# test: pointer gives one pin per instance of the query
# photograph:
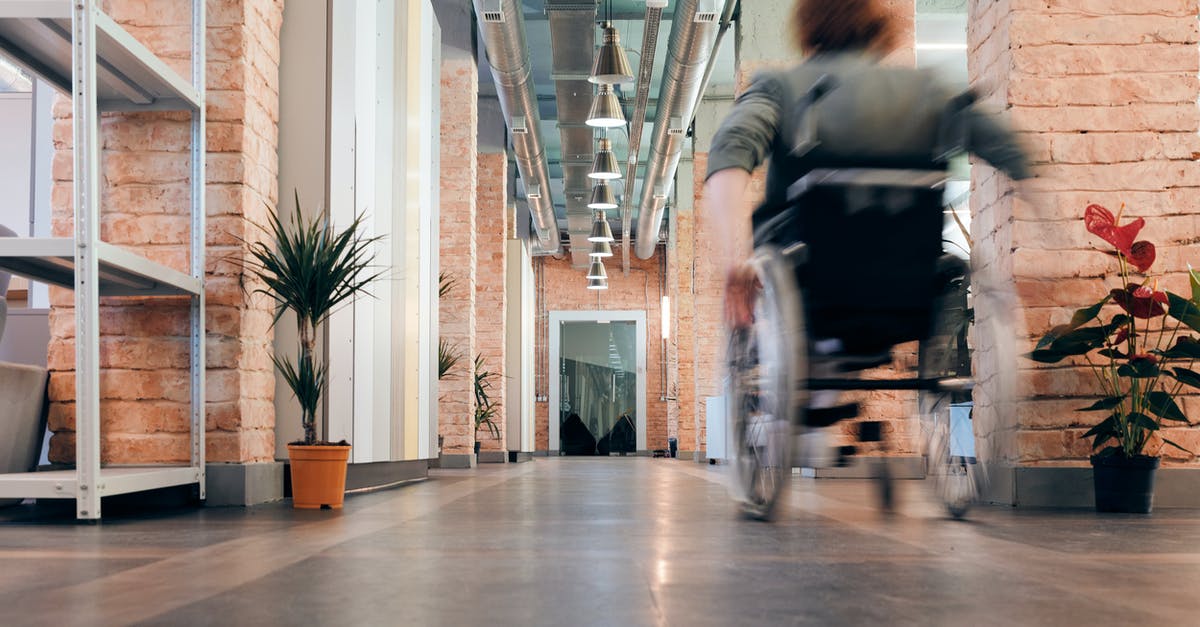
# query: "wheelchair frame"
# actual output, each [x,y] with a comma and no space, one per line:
[958,479]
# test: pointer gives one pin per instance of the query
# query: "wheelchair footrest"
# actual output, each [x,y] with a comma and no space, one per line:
[825,416]
[870,431]
[844,455]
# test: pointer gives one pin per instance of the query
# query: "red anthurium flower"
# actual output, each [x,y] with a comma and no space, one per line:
[1121,336]
[1147,357]
[1101,223]
[1141,255]
[1140,302]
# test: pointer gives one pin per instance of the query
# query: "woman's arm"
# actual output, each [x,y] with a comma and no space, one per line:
[739,146]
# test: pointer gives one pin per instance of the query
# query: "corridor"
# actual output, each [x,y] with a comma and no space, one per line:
[629,541]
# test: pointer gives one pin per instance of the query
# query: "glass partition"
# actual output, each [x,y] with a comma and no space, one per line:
[598,383]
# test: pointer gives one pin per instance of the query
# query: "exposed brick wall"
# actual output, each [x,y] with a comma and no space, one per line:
[566,290]
[459,180]
[1106,94]
[685,321]
[144,195]
[491,298]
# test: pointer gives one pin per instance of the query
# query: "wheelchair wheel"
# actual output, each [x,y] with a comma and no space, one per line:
[952,469]
[767,366]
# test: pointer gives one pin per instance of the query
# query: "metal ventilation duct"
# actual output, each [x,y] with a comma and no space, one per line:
[502,27]
[572,45]
[693,33]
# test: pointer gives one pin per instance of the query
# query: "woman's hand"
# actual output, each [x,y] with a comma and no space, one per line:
[741,286]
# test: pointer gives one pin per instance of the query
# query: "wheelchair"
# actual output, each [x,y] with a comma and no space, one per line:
[850,268]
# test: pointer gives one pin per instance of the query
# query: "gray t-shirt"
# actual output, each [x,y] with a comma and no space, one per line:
[870,115]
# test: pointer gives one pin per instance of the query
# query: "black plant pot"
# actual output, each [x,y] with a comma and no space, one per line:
[477,448]
[1123,484]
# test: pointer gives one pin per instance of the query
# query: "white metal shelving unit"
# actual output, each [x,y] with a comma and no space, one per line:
[75,46]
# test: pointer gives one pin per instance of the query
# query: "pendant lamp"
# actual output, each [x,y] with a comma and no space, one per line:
[611,67]
[596,271]
[601,249]
[606,109]
[601,232]
[597,284]
[602,197]
[604,165]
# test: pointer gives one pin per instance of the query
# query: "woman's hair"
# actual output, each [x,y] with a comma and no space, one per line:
[838,25]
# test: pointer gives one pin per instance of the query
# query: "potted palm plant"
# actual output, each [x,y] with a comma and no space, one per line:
[309,268]
[1141,359]
[485,408]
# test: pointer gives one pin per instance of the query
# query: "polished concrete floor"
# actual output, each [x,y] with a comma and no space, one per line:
[615,541]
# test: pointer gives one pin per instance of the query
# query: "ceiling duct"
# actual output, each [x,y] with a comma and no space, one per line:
[572,43]
[693,34]
[502,27]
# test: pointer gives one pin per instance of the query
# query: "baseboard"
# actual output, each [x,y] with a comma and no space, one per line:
[243,484]
[1071,487]
[362,477]
[493,457]
[466,460]
[901,467]
[517,457]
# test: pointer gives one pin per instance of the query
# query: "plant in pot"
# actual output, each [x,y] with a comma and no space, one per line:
[485,408]
[1142,355]
[309,267]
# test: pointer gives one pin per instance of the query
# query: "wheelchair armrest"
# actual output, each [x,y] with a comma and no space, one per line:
[868,177]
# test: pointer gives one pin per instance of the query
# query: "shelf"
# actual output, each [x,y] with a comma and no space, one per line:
[122,273]
[37,35]
[64,484]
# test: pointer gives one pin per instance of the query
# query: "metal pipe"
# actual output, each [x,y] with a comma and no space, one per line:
[645,72]
[688,56]
[502,27]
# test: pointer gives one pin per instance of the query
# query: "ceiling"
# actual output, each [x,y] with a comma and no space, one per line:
[941,43]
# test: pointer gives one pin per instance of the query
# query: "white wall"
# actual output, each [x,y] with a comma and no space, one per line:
[519,348]
[302,166]
[16,134]
[382,166]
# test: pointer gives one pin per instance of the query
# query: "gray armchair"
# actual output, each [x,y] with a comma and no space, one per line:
[22,402]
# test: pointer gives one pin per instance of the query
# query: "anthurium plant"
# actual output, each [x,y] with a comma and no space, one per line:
[1142,355]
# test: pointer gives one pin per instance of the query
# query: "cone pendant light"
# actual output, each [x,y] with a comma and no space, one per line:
[602,197]
[611,67]
[597,284]
[606,109]
[601,249]
[604,165]
[601,231]
[596,271]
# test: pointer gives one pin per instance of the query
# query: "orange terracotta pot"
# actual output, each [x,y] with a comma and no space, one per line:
[318,475]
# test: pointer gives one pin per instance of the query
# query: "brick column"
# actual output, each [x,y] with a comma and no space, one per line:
[1106,95]
[459,180]
[143,349]
[491,298]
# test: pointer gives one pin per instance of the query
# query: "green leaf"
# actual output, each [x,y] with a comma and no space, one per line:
[1113,353]
[1177,446]
[1046,356]
[1189,377]
[1078,319]
[1108,428]
[1142,420]
[1162,405]
[1087,314]
[1104,403]
[1195,281]
[1110,451]
[1080,341]
[1140,369]
[1184,348]
[1184,311]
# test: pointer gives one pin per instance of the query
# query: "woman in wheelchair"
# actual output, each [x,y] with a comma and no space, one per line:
[847,255]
